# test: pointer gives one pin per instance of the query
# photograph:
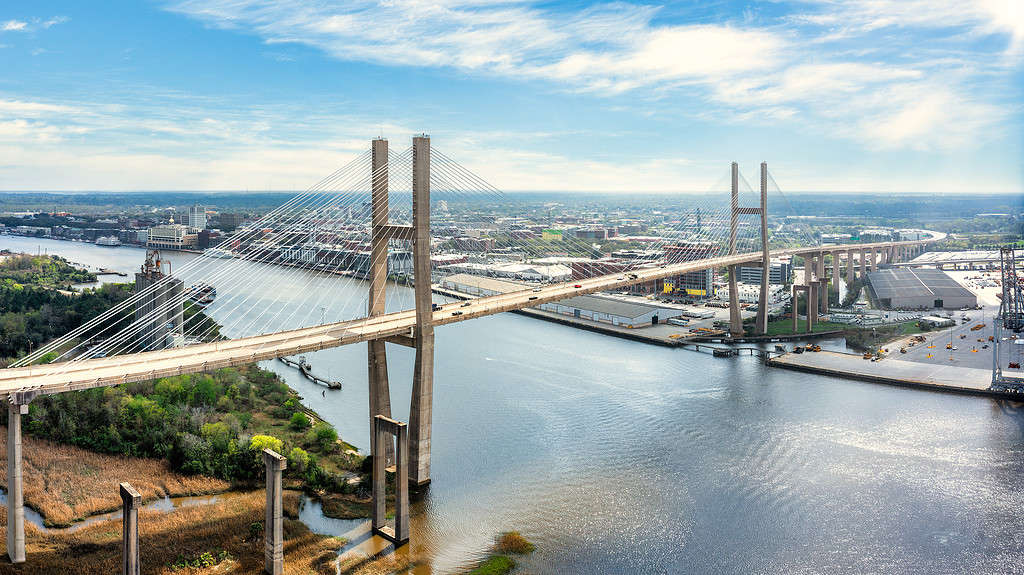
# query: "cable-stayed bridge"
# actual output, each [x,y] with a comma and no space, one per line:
[387,218]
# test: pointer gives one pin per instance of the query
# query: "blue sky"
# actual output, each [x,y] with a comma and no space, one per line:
[846,95]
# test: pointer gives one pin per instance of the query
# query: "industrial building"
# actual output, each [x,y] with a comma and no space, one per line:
[615,312]
[907,288]
[159,309]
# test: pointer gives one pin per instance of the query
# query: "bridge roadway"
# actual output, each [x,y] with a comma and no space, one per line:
[107,371]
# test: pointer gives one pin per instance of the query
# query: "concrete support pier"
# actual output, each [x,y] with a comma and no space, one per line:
[420,415]
[863,264]
[377,361]
[849,266]
[273,527]
[15,489]
[130,501]
[385,431]
[812,306]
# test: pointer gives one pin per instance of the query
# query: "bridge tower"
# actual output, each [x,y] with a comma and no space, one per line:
[761,320]
[735,321]
[422,338]
[380,396]
[420,410]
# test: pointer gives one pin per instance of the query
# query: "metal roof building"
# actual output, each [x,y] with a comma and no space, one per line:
[922,288]
[615,312]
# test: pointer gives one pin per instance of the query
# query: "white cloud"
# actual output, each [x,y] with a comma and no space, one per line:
[13,26]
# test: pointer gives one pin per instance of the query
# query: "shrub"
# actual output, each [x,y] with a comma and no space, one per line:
[299,421]
[298,460]
[326,436]
[260,442]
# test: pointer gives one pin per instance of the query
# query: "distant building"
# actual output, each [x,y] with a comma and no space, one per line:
[197,217]
[779,274]
[829,239]
[171,236]
[229,222]
[613,311]
[919,288]
[551,235]
[591,234]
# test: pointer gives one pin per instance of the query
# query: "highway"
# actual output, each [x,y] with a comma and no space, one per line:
[99,372]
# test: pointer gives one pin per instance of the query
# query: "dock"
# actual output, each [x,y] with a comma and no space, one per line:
[306,370]
[892,371]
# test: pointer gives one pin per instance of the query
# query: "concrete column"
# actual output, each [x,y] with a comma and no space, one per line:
[378,513]
[377,361]
[812,306]
[420,415]
[872,260]
[819,269]
[849,266]
[735,320]
[15,492]
[761,320]
[835,272]
[863,263]
[273,527]
[823,295]
[793,304]
[809,267]
[130,501]
[384,429]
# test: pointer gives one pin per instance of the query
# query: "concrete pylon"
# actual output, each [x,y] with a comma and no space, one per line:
[273,527]
[849,266]
[130,501]
[384,429]
[15,490]
[793,306]
[761,320]
[377,361]
[823,295]
[835,273]
[735,320]
[420,415]
[863,263]
[812,306]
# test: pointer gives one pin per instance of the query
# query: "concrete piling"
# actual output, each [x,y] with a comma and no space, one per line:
[273,527]
[15,491]
[130,501]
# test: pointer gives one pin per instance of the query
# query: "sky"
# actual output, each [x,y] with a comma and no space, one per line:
[900,96]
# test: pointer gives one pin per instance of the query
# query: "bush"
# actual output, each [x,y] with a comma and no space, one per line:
[260,442]
[325,436]
[299,421]
[298,460]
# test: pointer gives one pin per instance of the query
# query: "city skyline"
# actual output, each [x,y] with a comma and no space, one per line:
[858,96]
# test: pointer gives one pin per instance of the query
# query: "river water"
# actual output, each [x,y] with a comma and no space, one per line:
[616,456]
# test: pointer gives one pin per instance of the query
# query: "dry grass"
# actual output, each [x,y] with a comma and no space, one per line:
[66,483]
[512,542]
[166,538]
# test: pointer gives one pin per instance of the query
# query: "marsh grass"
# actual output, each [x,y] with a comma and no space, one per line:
[222,529]
[66,483]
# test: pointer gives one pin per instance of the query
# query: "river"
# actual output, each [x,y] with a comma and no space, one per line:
[615,456]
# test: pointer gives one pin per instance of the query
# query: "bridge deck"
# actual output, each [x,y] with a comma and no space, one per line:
[98,372]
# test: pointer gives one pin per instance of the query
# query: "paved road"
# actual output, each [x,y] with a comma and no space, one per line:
[61,377]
